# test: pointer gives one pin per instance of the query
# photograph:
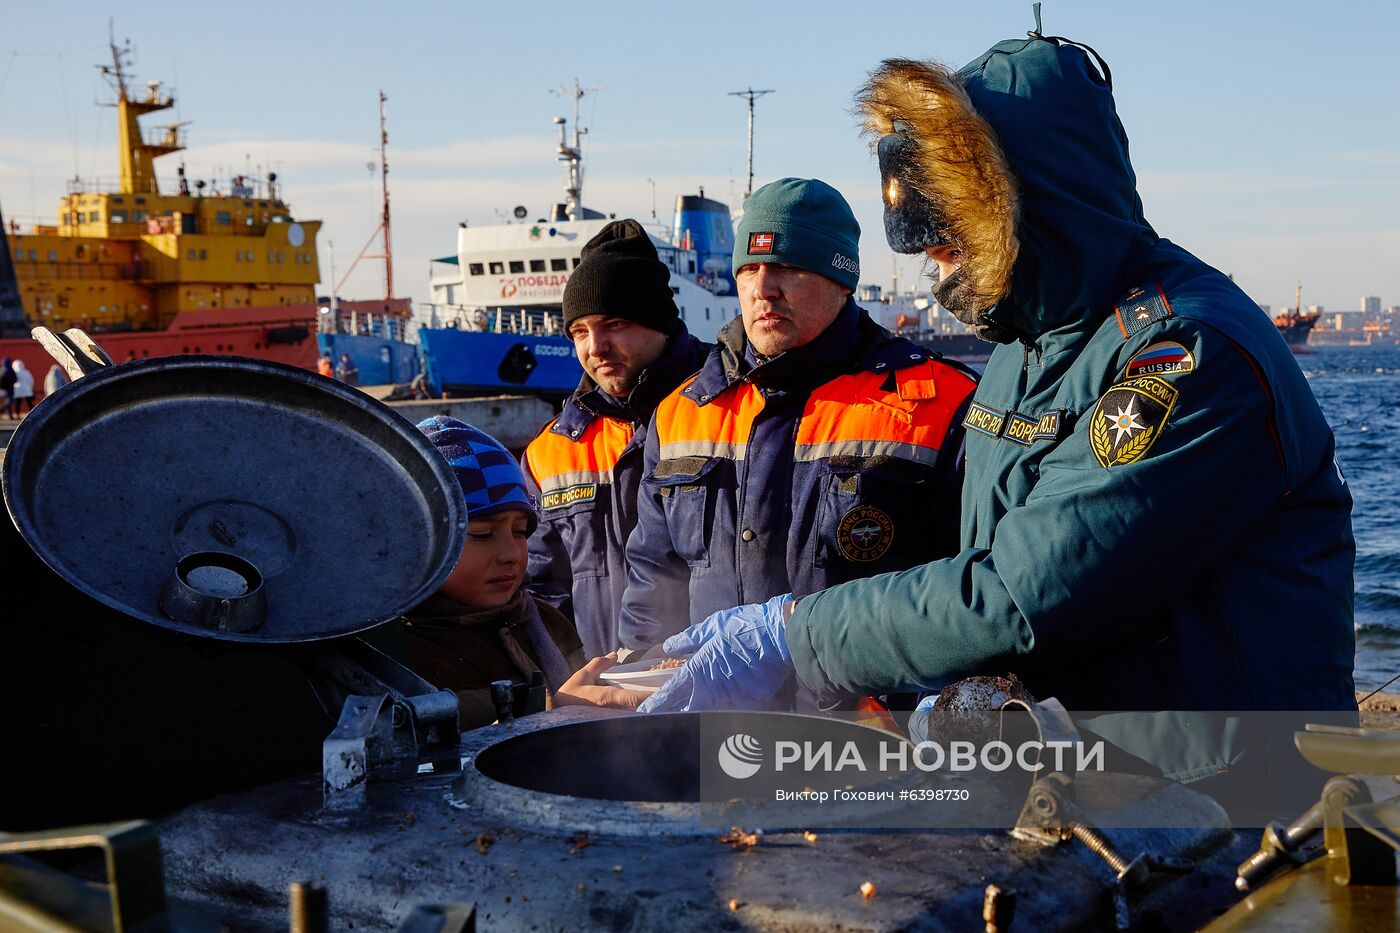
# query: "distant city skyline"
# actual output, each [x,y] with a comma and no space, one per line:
[1251,150]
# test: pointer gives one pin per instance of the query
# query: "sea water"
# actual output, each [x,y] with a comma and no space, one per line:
[1359,391]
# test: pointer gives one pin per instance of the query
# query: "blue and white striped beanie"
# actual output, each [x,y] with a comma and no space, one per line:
[491,479]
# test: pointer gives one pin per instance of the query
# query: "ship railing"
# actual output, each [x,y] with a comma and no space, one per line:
[42,268]
[532,321]
[214,187]
[952,330]
[384,326]
[164,137]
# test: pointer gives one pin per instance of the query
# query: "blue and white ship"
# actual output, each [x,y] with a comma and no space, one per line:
[494,323]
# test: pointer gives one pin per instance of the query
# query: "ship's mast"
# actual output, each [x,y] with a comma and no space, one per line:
[384,188]
[573,154]
[750,95]
[137,152]
[383,228]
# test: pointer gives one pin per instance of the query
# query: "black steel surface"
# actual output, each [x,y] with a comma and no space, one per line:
[346,511]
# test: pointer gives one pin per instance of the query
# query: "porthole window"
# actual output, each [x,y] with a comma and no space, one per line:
[536,265]
[517,265]
[498,268]
[559,265]
[476,268]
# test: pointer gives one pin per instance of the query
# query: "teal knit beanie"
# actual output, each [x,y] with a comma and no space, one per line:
[800,222]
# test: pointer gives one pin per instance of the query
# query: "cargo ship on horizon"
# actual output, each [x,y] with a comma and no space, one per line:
[1295,324]
[218,266]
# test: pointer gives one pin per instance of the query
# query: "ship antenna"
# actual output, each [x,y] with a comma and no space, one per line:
[573,188]
[116,73]
[750,95]
[383,226]
[384,187]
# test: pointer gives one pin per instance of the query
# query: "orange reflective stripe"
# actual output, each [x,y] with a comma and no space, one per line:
[856,416]
[719,429]
[556,461]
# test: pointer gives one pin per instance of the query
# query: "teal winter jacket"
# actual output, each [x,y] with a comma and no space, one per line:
[1152,515]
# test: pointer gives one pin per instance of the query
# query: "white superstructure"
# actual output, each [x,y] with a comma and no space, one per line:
[511,276]
[503,269]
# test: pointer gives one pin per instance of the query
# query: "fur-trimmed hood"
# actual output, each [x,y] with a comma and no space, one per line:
[1023,152]
[958,166]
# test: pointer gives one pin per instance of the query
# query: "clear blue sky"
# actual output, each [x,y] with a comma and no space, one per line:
[1264,134]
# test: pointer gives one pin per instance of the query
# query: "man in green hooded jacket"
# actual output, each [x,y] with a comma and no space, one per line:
[1153,518]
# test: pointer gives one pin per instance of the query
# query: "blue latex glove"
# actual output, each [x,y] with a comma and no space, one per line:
[738,660]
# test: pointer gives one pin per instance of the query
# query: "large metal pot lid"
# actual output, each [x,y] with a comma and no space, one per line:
[234,499]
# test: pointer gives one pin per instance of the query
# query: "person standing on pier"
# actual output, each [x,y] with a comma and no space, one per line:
[55,380]
[586,464]
[24,389]
[346,370]
[7,386]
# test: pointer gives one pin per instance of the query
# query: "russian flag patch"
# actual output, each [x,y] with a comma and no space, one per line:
[1161,359]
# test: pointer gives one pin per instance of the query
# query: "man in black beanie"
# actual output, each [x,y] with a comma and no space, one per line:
[586,464]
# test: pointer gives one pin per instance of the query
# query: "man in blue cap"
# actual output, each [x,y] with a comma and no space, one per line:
[1153,518]
[813,447]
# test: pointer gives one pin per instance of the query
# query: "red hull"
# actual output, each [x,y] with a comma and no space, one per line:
[261,333]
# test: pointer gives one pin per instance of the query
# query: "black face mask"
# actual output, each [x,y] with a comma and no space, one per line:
[955,294]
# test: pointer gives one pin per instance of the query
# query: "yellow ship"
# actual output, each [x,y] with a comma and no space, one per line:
[212,267]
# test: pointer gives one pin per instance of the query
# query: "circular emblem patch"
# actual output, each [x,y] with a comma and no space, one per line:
[865,533]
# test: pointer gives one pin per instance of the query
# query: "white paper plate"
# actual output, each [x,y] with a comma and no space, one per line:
[638,675]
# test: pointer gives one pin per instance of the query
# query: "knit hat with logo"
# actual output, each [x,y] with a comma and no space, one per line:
[490,477]
[800,222]
[620,275]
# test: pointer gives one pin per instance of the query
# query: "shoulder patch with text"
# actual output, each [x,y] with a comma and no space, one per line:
[1020,429]
[1141,307]
[984,420]
[761,243]
[560,498]
[1129,418]
[1047,426]
[1161,359]
[864,534]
